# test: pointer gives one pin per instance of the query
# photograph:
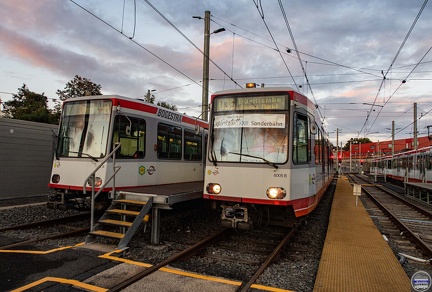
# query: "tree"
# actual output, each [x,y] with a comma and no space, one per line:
[79,86]
[30,106]
[167,105]
[151,99]
[355,141]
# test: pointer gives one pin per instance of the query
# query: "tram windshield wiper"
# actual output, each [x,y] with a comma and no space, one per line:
[86,154]
[213,156]
[252,156]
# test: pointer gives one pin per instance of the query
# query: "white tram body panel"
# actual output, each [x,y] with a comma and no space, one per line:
[157,146]
[267,154]
[253,182]
[132,174]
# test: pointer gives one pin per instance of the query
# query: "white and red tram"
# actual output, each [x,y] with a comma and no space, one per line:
[157,146]
[408,166]
[268,157]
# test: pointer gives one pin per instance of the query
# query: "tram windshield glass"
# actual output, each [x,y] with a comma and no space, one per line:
[84,129]
[250,129]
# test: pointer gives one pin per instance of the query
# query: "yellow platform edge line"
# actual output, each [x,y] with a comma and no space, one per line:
[75,283]
[41,252]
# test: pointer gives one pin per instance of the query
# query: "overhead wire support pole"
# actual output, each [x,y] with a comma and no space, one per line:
[206,65]
[415,126]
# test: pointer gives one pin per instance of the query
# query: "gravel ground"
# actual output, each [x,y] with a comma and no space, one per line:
[188,223]
[192,221]
[296,269]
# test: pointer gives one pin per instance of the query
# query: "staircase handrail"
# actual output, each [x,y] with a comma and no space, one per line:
[92,175]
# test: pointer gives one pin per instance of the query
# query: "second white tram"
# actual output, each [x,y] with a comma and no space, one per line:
[268,157]
[156,146]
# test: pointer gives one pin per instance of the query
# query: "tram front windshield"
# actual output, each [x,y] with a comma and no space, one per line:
[84,129]
[250,129]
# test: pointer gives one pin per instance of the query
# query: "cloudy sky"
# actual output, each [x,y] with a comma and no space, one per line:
[367,62]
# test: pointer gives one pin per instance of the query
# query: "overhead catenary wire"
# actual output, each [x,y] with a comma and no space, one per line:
[195,46]
[391,65]
[326,62]
[136,43]
[403,82]
[261,13]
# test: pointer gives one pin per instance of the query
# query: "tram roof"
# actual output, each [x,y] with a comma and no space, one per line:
[259,89]
[142,105]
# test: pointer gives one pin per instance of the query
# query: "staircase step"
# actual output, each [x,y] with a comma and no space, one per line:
[131,202]
[123,212]
[107,234]
[116,222]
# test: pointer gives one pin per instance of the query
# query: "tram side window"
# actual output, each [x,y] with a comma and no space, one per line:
[428,161]
[192,146]
[389,164]
[318,149]
[301,141]
[404,163]
[130,132]
[410,163]
[169,143]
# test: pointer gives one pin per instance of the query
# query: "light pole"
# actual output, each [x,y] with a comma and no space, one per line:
[206,62]
[350,143]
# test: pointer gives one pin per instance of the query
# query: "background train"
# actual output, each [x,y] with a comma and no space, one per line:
[268,157]
[156,146]
[409,166]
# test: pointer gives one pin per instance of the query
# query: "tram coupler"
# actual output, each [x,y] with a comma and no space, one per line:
[235,217]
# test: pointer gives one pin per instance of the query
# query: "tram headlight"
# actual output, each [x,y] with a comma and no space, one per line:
[276,193]
[214,188]
[55,178]
[98,182]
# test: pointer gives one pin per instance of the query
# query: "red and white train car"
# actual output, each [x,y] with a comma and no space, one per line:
[157,146]
[409,166]
[268,157]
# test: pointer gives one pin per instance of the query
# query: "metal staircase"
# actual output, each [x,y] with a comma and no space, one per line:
[122,219]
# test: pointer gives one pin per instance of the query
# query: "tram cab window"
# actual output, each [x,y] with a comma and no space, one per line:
[301,139]
[130,132]
[169,142]
[192,145]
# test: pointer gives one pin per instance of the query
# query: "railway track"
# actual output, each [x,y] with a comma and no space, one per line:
[408,225]
[259,254]
[38,230]
[49,222]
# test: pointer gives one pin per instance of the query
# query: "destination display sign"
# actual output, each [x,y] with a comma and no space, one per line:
[249,121]
[229,103]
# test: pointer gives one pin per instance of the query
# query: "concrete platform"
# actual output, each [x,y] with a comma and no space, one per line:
[356,257]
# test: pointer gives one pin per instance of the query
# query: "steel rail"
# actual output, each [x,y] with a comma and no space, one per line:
[46,222]
[406,202]
[246,286]
[183,254]
[66,234]
[418,241]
